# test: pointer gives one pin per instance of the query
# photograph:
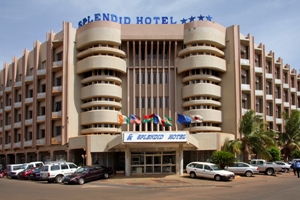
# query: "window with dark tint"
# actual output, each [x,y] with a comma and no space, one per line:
[64,166]
[72,166]
[207,167]
[44,168]
[55,168]
[199,166]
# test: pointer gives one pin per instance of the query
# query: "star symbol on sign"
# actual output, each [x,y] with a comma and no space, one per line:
[183,21]
[209,18]
[201,17]
[192,18]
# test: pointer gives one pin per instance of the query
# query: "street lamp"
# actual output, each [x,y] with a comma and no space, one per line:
[83,158]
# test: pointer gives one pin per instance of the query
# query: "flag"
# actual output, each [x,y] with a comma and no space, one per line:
[148,118]
[135,119]
[157,119]
[122,119]
[182,119]
[167,121]
[196,118]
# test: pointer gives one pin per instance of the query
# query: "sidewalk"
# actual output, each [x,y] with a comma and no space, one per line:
[158,181]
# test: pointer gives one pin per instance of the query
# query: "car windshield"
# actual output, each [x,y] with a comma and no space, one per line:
[215,167]
[82,170]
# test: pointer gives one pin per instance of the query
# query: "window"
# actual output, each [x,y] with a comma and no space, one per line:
[64,166]
[149,78]
[54,168]
[137,102]
[137,78]
[72,166]
[166,102]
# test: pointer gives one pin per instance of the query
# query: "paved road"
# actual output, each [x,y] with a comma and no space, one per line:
[281,186]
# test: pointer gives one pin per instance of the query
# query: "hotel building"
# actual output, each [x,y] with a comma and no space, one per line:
[62,99]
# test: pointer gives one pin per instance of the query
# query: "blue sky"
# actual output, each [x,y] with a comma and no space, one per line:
[275,23]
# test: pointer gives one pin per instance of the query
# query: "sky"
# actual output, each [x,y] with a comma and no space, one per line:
[274,23]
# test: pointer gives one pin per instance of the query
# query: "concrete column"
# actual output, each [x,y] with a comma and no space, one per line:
[127,161]
[179,160]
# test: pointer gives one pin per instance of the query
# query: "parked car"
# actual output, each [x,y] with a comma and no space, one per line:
[242,168]
[268,168]
[2,173]
[208,170]
[88,173]
[56,170]
[285,167]
[35,175]
[26,166]
[25,173]
[13,169]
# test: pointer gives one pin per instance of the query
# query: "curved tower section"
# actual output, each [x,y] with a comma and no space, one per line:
[100,63]
[201,64]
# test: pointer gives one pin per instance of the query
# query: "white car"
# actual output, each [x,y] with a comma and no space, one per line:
[56,170]
[243,168]
[208,170]
[285,166]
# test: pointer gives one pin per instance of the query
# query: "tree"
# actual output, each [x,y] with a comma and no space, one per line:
[275,153]
[223,158]
[289,140]
[253,137]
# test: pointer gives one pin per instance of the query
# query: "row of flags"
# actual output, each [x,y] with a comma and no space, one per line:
[166,121]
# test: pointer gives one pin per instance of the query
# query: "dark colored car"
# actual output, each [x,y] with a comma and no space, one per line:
[35,175]
[24,174]
[88,173]
[2,173]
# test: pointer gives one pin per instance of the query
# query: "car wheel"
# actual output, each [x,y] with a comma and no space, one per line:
[58,179]
[248,173]
[285,170]
[81,181]
[270,172]
[192,175]
[217,177]
[106,175]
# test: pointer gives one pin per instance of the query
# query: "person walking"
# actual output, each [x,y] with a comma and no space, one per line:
[297,167]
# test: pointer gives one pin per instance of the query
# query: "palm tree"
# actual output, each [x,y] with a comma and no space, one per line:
[290,139]
[253,137]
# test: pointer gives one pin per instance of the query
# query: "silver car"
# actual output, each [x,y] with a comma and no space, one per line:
[242,168]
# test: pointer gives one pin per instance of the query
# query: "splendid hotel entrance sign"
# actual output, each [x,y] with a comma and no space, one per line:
[138,19]
[155,136]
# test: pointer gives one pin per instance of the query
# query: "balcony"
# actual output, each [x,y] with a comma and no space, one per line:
[40,142]
[57,65]
[28,122]
[298,93]
[7,127]
[258,70]
[245,62]
[41,118]
[293,107]
[7,108]
[7,146]
[56,89]
[28,100]
[286,104]
[56,115]
[278,81]
[17,125]
[259,92]
[28,143]
[269,76]
[17,104]
[286,86]
[269,118]
[41,96]
[28,79]
[41,72]
[293,89]
[269,97]
[244,110]
[278,101]
[17,145]
[56,140]
[18,84]
[278,121]
[245,87]
[8,89]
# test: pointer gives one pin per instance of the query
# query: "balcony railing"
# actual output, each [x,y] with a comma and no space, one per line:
[269,76]
[41,95]
[245,62]
[41,142]
[28,100]
[286,86]
[56,115]
[18,84]
[56,140]
[7,146]
[41,72]
[258,70]
[41,118]
[259,92]
[17,145]
[28,143]
[17,125]
[28,78]
[278,81]
[18,104]
[278,121]
[28,122]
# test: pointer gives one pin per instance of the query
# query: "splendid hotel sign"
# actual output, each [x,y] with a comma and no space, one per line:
[138,19]
[155,136]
